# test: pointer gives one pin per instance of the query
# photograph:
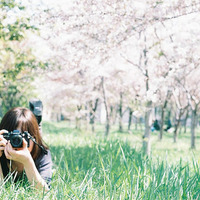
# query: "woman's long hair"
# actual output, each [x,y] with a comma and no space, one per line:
[23,118]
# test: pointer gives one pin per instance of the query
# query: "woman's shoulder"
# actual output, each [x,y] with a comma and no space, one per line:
[43,159]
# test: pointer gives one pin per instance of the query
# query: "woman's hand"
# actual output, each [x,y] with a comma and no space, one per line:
[21,155]
[3,142]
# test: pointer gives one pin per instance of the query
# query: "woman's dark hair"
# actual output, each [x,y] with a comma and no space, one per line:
[25,119]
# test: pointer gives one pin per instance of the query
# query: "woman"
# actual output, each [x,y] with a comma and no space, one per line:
[33,159]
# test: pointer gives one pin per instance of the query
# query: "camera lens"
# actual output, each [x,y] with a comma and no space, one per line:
[16,141]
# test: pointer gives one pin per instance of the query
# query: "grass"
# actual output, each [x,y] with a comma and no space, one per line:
[88,166]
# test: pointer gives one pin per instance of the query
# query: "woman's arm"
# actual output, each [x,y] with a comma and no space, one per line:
[34,176]
[23,156]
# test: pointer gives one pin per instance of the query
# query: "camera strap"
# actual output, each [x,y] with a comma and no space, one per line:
[41,147]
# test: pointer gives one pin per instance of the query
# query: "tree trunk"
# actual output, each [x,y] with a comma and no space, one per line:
[185,120]
[78,124]
[120,113]
[176,130]
[177,123]
[107,126]
[163,114]
[193,124]
[112,115]
[93,109]
[175,136]
[130,118]
[78,119]
[86,118]
[92,124]
[146,137]
[162,123]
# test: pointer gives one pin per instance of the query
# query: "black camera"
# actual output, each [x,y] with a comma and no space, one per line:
[16,138]
[36,107]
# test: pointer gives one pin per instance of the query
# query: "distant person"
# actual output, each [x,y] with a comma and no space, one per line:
[169,125]
[156,125]
[36,107]
[33,160]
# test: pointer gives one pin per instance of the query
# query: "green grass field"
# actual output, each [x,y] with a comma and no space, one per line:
[90,166]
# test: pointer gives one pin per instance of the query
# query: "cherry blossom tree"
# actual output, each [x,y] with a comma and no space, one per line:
[144,34]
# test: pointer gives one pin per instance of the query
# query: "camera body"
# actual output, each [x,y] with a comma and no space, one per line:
[16,138]
[36,107]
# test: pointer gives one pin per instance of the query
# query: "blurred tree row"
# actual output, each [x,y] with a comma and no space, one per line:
[129,55]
